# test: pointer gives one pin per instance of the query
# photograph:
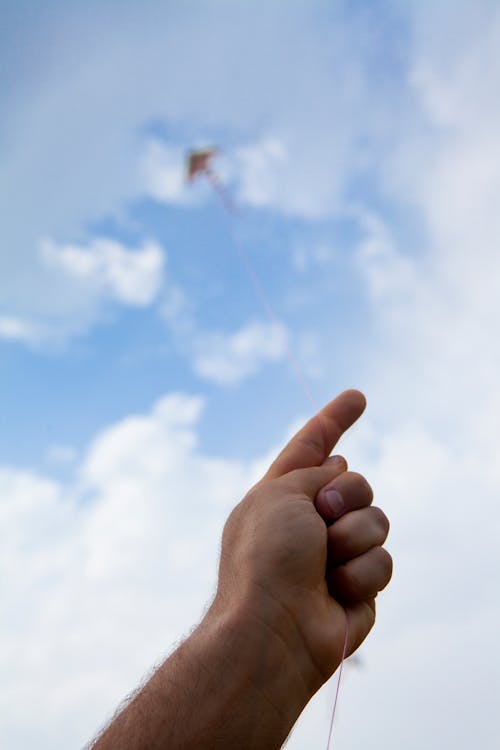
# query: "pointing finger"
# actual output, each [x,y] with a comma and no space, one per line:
[314,442]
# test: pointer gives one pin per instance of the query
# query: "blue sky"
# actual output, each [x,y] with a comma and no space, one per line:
[144,388]
[132,346]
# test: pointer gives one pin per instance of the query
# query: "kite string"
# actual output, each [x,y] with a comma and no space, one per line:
[259,290]
[228,204]
[337,689]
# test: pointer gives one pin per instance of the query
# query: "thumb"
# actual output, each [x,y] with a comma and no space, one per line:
[360,620]
[310,481]
[313,443]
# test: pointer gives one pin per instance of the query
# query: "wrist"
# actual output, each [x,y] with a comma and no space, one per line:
[267,671]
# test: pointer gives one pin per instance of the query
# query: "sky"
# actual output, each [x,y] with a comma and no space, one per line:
[143,387]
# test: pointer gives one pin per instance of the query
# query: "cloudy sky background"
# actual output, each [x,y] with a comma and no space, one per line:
[143,388]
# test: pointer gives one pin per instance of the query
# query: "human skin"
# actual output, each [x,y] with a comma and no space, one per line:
[293,566]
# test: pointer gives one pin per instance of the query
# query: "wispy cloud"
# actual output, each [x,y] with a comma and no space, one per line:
[14,328]
[228,358]
[164,174]
[260,170]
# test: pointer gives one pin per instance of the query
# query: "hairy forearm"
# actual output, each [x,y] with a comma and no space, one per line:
[233,683]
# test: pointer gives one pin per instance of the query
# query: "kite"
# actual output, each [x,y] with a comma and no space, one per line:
[198,162]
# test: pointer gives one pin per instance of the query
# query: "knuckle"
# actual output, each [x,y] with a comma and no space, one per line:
[290,483]
[360,483]
[385,563]
[380,520]
[352,582]
[312,443]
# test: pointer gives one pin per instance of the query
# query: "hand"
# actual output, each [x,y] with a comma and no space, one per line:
[287,569]
[289,573]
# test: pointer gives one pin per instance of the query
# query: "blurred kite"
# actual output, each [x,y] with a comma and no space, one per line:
[199,161]
[199,164]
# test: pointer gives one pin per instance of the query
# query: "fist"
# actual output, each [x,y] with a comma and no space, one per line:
[358,567]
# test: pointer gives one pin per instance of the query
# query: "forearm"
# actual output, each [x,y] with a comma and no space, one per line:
[232,683]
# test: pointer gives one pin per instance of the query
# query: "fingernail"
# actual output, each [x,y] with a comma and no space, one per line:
[335,502]
[335,460]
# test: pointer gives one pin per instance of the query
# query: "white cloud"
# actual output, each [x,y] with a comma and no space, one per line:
[61,455]
[16,329]
[441,304]
[129,549]
[176,309]
[306,256]
[389,274]
[228,358]
[79,284]
[104,266]
[164,174]
[260,170]
[220,357]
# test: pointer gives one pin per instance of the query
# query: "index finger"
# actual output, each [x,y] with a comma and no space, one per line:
[314,442]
